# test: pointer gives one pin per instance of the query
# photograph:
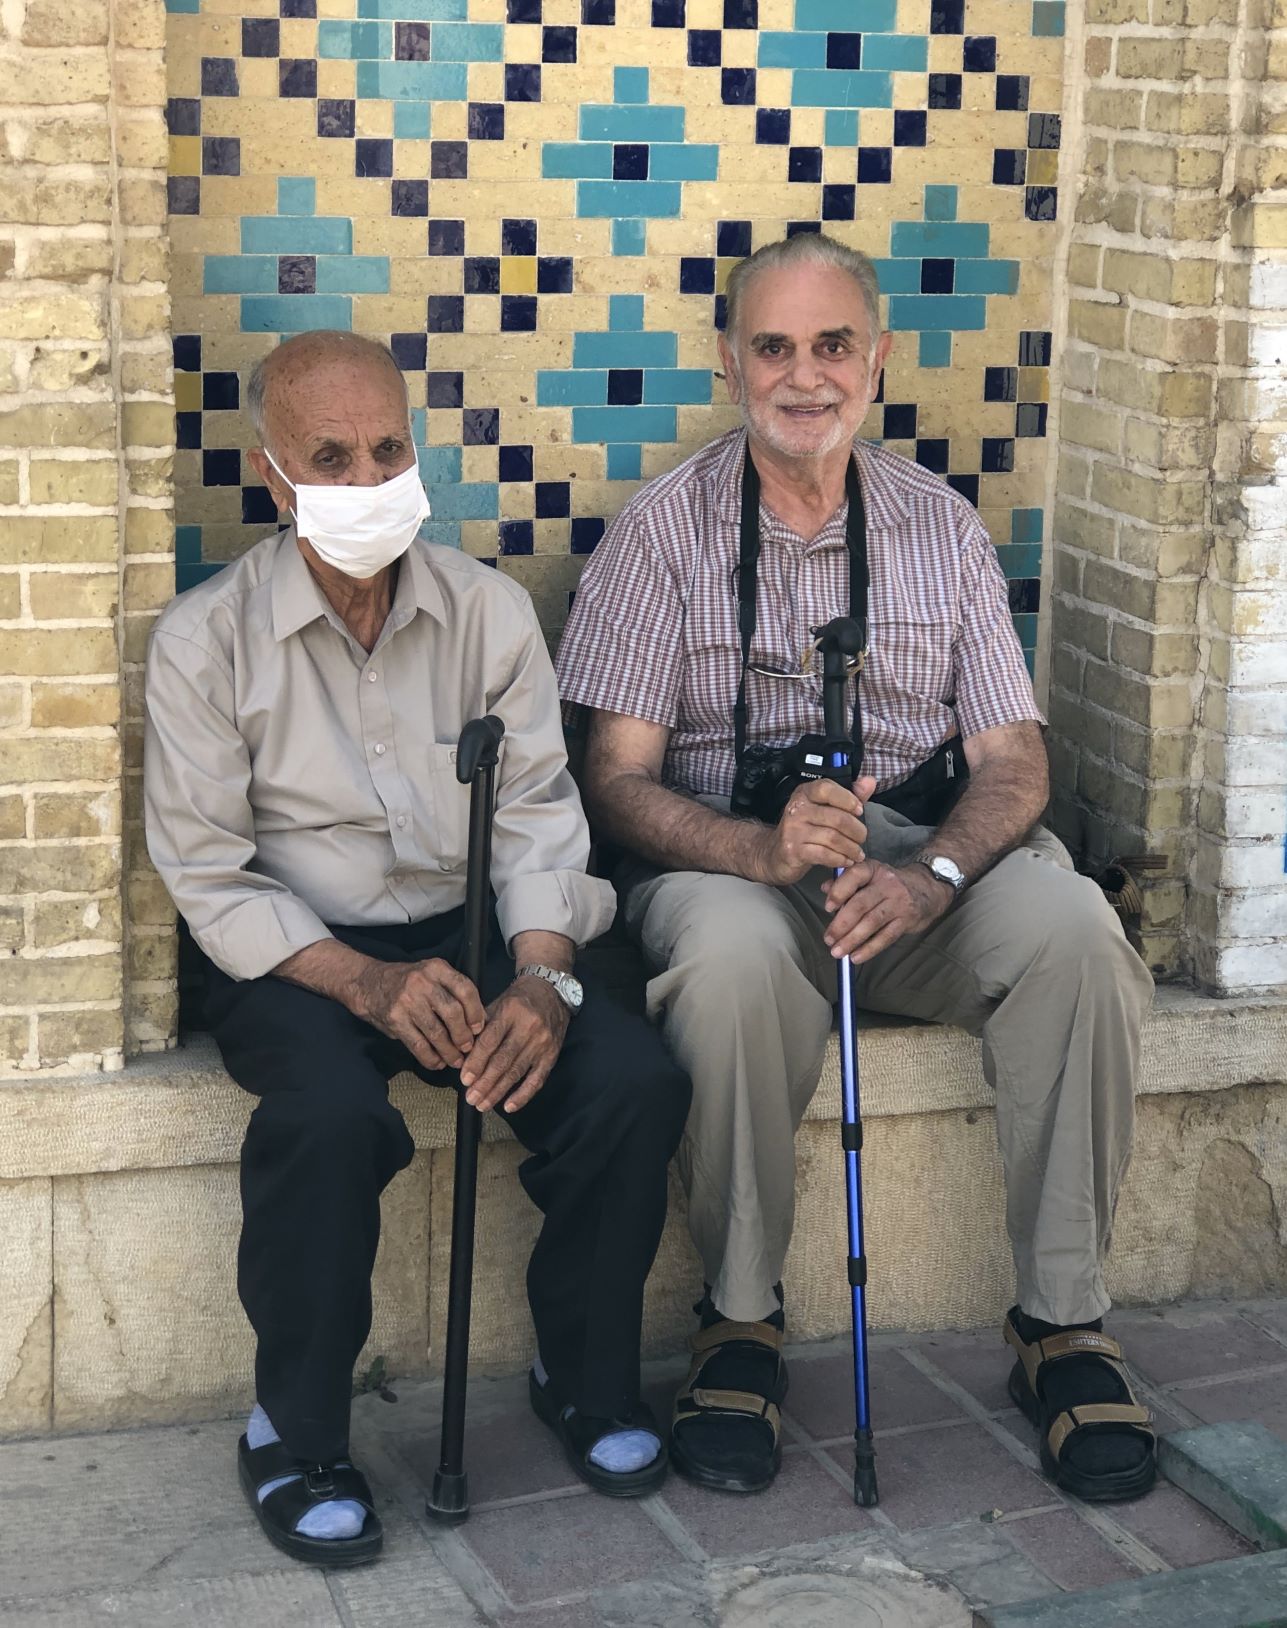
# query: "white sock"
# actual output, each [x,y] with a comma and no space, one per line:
[337,1518]
[621,1452]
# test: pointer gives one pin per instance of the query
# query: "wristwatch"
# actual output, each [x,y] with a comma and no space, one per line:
[943,869]
[566,987]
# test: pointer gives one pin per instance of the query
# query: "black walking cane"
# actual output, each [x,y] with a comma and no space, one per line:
[841,644]
[476,758]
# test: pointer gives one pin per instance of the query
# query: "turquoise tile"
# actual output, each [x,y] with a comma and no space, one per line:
[443,532]
[580,388]
[353,274]
[624,350]
[1025,625]
[192,576]
[1020,560]
[631,123]
[576,161]
[622,198]
[940,203]
[468,42]
[416,11]
[239,274]
[630,85]
[940,240]
[848,16]
[899,53]
[296,234]
[337,37]
[840,127]
[623,424]
[188,8]
[625,312]
[411,120]
[419,423]
[1048,19]
[676,386]
[987,276]
[628,237]
[898,276]
[935,350]
[296,195]
[835,87]
[187,544]
[780,50]
[625,463]
[934,312]
[468,500]
[294,313]
[1027,526]
[679,161]
[413,81]
[439,466]
[1030,662]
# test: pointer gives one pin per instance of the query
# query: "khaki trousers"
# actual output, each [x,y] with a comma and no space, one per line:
[1031,959]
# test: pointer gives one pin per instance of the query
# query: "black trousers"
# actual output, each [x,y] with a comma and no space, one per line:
[325,1141]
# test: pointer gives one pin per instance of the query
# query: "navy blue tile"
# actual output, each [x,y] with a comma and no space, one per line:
[445,314]
[446,237]
[909,127]
[875,164]
[900,421]
[933,455]
[1034,348]
[1012,92]
[219,76]
[1000,383]
[518,313]
[938,276]
[844,50]
[1041,203]
[297,76]
[1043,129]
[741,13]
[480,426]
[586,533]
[773,126]
[947,16]
[554,274]
[411,42]
[486,121]
[944,90]
[798,228]
[221,466]
[667,13]
[183,116]
[733,239]
[516,463]
[522,11]
[979,53]
[296,274]
[257,506]
[998,455]
[187,353]
[187,431]
[410,351]
[221,155]
[558,44]
[482,274]
[1009,165]
[737,87]
[1030,419]
[553,499]
[721,312]
[630,161]
[1023,594]
[444,389]
[804,164]
[705,48]
[373,156]
[600,12]
[260,36]
[298,8]
[449,160]
[335,117]
[410,198]
[518,237]
[696,275]
[625,386]
[516,536]
[967,486]
[839,202]
[522,82]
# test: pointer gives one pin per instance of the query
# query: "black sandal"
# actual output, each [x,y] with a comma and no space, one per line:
[750,1462]
[581,1433]
[314,1484]
[1065,1429]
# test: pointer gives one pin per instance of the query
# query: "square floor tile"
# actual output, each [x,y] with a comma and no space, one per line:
[510,1455]
[954,1474]
[979,1362]
[1263,1399]
[1179,1529]
[567,1546]
[821,1397]
[1069,1551]
[803,1505]
[1177,1345]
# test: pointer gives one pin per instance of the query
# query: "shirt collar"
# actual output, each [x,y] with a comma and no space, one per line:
[885,504]
[297,599]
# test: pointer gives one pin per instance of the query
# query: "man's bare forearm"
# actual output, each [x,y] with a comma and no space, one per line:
[536,948]
[333,969]
[672,830]
[1002,801]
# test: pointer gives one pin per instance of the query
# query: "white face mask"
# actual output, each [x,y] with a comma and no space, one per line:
[360,529]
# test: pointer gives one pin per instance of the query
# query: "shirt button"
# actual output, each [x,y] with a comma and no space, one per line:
[402,820]
[379,751]
[371,677]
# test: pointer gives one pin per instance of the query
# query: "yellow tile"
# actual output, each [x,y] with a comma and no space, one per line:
[187,392]
[298,37]
[1034,384]
[374,118]
[486,82]
[518,274]
[185,155]
[1043,167]
[337,80]
[480,463]
[257,77]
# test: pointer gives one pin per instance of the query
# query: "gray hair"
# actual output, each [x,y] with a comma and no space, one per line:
[805,248]
[316,342]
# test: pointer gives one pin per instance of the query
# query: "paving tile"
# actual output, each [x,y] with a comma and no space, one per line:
[804,1504]
[821,1397]
[294,1599]
[953,1474]
[1178,1344]
[1273,1314]
[508,1455]
[582,1614]
[1239,1471]
[978,1361]
[1264,1400]
[1179,1529]
[1070,1552]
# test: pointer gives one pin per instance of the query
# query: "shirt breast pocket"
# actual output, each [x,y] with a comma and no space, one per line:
[448,822]
[915,653]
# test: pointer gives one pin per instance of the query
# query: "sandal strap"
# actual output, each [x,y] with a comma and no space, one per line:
[1073,1342]
[726,1333]
[1116,1414]
[270,1461]
[701,1403]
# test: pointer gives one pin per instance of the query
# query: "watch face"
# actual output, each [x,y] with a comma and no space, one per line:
[571,991]
[947,871]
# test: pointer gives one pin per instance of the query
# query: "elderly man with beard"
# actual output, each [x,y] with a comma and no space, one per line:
[690,644]
[303,710]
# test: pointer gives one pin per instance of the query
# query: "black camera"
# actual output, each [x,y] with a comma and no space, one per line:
[767,775]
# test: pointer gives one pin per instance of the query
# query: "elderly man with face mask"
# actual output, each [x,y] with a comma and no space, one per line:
[302,808]
[690,644]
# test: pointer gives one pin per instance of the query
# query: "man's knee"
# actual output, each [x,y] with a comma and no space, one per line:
[345,1120]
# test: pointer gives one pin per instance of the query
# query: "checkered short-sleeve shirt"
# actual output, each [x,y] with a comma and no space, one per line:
[653,630]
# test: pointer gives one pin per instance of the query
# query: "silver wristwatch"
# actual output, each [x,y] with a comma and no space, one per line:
[566,987]
[943,869]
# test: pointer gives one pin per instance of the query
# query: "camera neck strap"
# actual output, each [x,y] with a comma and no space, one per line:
[748,580]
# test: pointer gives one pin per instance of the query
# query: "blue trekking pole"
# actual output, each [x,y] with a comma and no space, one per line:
[841,644]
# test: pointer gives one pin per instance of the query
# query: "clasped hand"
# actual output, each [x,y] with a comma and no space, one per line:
[872,906]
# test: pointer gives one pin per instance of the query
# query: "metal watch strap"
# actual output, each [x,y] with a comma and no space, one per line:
[927,860]
[550,975]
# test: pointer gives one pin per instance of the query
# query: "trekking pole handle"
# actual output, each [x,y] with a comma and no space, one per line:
[479,747]
[841,645]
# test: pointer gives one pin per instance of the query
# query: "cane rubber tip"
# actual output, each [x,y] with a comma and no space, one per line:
[448,1503]
[865,1493]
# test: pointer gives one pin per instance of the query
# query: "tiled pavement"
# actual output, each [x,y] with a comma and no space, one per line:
[148,1527]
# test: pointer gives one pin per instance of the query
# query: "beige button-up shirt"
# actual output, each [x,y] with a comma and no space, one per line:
[292,780]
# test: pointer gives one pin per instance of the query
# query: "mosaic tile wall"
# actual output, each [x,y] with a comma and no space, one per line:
[537,203]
